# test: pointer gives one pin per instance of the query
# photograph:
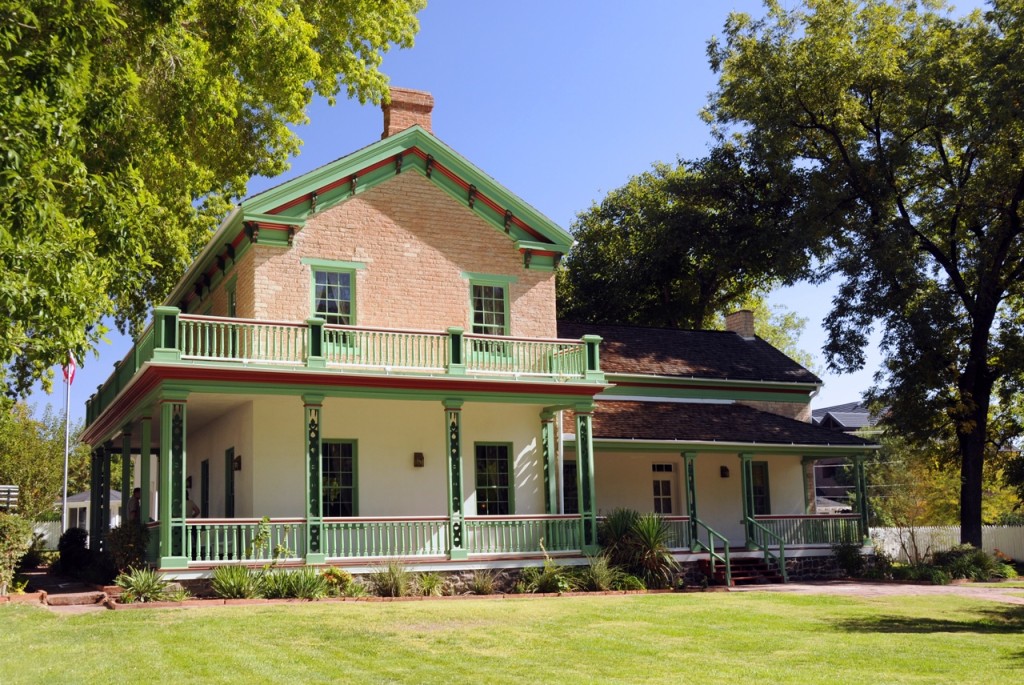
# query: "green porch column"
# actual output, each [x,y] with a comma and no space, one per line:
[315,551]
[94,497]
[145,451]
[585,476]
[747,492]
[862,497]
[103,500]
[810,492]
[690,485]
[173,553]
[547,438]
[126,471]
[456,513]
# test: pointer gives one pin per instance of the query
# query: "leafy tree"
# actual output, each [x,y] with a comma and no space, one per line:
[32,457]
[906,125]
[676,246]
[127,128]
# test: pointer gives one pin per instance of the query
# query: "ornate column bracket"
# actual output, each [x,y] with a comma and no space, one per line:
[316,552]
[456,506]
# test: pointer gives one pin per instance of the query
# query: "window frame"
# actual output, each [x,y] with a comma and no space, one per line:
[339,267]
[355,476]
[766,499]
[659,471]
[510,472]
[492,281]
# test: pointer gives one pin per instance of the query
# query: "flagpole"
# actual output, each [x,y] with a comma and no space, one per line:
[67,447]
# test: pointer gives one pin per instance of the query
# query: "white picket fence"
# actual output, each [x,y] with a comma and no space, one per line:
[896,542]
[50,530]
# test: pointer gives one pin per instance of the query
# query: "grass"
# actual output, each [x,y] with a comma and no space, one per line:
[750,637]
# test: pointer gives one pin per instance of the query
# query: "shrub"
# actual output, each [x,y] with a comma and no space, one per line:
[549,578]
[15,540]
[337,581]
[176,593]
[235,582]
[74,555]
[483,582]
[965,561]
[615,535]
[33,558]
[141,585]
[127,546]
[101,569]
[600,575]
[1005,571]
[276,584]
[429,584]
[849,559]
[651,559]
[391,580]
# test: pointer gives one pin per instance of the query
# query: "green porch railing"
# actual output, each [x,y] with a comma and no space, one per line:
[813,530]
[679,531]
[523,534]
[354,538]
[525,356]
[714,558]
[383,348]
[764,539]
[214,540]
[241,339]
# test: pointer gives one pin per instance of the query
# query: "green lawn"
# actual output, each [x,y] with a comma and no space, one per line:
[669,638]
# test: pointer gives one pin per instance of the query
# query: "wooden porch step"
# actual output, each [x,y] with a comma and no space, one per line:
[745,571]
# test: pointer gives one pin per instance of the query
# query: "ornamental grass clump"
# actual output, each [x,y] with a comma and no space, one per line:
[483,581]
[600,575]
[236,582]
[391,580]
[141,585]
[429,584]
[307,583]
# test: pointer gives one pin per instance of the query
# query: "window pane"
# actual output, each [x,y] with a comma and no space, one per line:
[339,485]
[492,480]
[488,309]
[332,295]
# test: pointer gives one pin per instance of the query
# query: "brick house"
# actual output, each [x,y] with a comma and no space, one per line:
[369,356]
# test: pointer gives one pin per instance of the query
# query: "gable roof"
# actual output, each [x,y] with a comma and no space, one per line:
[699,422]
[275,214]
[721,355]
[850,416]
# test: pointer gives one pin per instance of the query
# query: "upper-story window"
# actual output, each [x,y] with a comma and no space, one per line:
[333,299]
[490,309]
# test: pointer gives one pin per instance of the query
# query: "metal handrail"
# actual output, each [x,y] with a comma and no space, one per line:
[779,558]
[714,535]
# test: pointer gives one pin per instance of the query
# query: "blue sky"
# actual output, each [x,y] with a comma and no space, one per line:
[560,101]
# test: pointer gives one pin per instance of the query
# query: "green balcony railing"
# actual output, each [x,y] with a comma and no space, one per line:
[174,337]
[354,538]
[378,348]
[813,530]
[679,531]
[523,534]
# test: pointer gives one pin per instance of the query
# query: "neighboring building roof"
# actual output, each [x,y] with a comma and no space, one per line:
[851,416]
[720,355]
[115,496]
[700,422]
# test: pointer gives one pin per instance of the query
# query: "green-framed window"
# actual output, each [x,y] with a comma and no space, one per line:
[334,295]
[663,488]
[495,489]
[339,478]
[759,484]
[490,308]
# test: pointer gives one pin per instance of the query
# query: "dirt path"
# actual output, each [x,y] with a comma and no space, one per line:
[986,591]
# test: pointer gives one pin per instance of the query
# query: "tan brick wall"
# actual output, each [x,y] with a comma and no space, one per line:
[793,410]
[244,295]
[416,241]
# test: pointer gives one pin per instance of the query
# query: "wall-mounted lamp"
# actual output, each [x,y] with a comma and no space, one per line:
[724,471]
[417,459]
[238,462]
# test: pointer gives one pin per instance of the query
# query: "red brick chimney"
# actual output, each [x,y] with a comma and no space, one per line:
[741,322]
[407,107]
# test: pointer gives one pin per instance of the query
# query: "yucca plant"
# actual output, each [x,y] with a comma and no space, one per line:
[141,585]
[391,580]
[276,583]
[236,582]
[615,536]
[651,559]
[307,583]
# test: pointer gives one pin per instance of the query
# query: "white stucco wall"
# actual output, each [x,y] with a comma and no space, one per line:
[232,429]
[624,479]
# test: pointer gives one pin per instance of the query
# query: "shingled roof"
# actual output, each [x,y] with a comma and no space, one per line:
[701,422]
[721,355]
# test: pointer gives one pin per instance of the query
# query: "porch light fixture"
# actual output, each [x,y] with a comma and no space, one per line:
[417,459]
[724,471]
[237,464]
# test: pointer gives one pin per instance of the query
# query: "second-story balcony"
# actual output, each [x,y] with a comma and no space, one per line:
[191,339]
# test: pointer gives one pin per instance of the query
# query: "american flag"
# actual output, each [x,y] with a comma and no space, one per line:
[69,369]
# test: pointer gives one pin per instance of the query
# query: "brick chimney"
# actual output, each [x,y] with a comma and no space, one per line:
[407,107]
[741,322]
